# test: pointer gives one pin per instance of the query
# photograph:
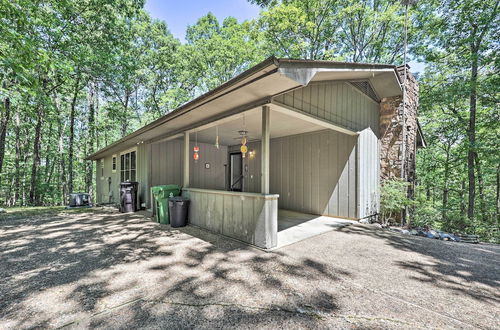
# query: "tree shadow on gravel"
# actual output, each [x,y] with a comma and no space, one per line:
[455,266]
[65,269]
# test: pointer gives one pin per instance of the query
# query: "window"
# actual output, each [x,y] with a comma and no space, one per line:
[113,164]
[102,169]
[127,166]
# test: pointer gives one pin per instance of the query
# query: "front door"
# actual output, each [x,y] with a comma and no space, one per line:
[236,172]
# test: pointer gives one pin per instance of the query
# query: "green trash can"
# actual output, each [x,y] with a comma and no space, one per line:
[161,195]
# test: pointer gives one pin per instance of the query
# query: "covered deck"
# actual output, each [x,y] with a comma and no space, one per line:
[238,194]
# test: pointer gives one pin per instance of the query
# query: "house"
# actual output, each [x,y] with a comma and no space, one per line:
[315,137]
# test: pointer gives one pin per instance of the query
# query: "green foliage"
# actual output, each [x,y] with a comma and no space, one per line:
[217,52]
[351,30]
[425,213]
[115,69]
[459,112]
[393,199]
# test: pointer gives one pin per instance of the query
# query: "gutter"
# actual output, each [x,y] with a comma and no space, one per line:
[333,64]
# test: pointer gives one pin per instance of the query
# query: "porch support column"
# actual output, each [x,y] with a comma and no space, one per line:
[264,181]
[186,160]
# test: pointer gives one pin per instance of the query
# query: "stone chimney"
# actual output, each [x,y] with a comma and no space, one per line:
[391,130]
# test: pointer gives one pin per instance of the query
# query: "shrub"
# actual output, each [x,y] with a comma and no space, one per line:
[393,198]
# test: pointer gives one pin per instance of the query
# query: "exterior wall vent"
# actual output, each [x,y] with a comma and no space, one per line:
[365,87]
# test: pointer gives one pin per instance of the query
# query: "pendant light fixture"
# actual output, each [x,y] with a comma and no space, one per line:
[243,147]
[244,139]
[196,149]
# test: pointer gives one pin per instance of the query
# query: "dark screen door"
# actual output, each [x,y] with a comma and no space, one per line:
[236,172]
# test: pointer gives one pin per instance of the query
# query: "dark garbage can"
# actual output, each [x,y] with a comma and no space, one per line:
[178,211]
[161,195]
[128,196]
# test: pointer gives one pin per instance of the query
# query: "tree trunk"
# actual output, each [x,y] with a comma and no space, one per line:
[471,132]
[482,201]
[462,200]
[49,165]
[17,160]
[48,158]
[4,122]
[62,184]
[446,190]
[96,115]
[91,137]
[498,195]
[72,134]
[125,118]
[33,197]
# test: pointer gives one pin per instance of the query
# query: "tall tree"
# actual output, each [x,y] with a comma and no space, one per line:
[215,52]
[351,30]
[4,122]
[462,35]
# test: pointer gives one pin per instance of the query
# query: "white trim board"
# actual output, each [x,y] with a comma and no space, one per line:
[297,113]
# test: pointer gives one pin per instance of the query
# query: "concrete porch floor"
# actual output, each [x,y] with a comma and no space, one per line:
[295,226]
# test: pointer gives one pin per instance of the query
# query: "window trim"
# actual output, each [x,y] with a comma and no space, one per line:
[101,168]
[114,161]
[128,151]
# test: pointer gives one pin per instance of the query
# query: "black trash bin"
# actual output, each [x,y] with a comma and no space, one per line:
[178,207]
[128,196]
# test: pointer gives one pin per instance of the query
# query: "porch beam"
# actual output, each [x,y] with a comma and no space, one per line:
[186,160]
[212,121]
[299,114]
[266,116]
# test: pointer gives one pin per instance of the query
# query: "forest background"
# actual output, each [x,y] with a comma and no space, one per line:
[77,75]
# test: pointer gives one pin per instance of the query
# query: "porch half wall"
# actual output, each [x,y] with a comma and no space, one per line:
[249,217]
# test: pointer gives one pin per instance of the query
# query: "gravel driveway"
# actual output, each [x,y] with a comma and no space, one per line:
[103,269]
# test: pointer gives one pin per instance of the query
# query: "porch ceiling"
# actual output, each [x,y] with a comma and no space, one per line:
[281,125]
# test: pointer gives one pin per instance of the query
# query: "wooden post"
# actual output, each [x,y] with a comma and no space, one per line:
[266,114]
[186,160]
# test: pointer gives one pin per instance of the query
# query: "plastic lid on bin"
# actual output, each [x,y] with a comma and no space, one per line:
[156,190]
[167,187]
[166,191]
